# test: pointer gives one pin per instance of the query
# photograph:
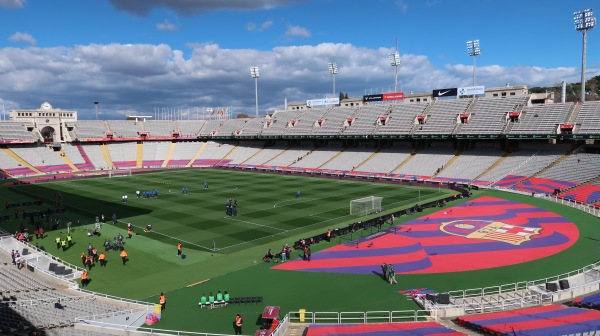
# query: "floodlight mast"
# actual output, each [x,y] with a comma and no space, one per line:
[96,104]
[473,49]
[333,70]
[584,21]
[395,62]
[255,74]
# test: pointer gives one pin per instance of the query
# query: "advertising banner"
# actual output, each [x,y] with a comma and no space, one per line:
[452,92]
[472,91]
[322,102]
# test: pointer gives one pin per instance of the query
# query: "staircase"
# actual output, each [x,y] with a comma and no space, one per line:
[499,161]
[333,158]
[229,153]
[84,155]
[368,159]
[562,158]
[169,154]
[404,162]
[260,150]
[68,161]
[448,164]
[139,162]
[107,158]
[189,164]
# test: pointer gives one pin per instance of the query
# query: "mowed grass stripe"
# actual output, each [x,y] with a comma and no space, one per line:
[267,203]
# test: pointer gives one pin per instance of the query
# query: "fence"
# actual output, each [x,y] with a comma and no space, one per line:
[358,317]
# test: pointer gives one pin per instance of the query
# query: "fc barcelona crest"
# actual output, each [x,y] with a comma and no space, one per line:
[482,229]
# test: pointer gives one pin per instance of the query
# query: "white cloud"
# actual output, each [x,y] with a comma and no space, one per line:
[297,31]
[139,78]
[22,38]
[12,3]
[251,26]
[402,5]
[166,26]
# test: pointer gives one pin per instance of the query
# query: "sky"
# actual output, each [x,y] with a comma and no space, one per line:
[143,56]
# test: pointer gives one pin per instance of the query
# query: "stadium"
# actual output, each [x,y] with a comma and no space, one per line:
[486,205]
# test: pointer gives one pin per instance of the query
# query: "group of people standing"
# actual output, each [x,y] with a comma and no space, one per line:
[231,207]
[388,273]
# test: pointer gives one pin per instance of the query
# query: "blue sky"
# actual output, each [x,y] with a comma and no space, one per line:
[136,56]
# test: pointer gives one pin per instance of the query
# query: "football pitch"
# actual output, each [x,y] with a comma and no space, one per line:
[224,252]
[268,206]
[269,214]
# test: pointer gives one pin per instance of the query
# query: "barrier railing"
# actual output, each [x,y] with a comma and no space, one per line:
[132,330]
[358,317]
[36,254]
[523,285]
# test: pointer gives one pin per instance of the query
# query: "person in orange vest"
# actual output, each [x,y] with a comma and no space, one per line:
[124,256]
[162,301]
[238,324]
[83,259]
[102,259]
[84,278]
[179,249]
[129,232]
[328,237]
[95,254]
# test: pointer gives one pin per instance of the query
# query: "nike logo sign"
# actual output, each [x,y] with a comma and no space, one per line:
[441,93]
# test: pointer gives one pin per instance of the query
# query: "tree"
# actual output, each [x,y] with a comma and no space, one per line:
[242,115]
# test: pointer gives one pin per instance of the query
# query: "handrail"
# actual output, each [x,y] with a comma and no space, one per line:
[135,330]
[358,317]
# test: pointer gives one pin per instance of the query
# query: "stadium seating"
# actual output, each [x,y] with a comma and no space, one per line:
[542,119]
[543,320]
[489,115]
[377,329]
[158,128]
[585,194]
[84,129]
[18,131]
[588,118]
[189,128]
[124,128]
[442,116]
[401,119]
[427,161]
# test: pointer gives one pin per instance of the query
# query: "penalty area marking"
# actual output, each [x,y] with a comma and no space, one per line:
[252,223]
[295,199]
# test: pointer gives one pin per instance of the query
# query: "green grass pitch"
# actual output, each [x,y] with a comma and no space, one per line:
[269,215]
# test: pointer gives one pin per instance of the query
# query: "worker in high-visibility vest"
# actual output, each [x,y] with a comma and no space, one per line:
[238,324]
[124,256]
[102,259]
[163,301]
[84,278]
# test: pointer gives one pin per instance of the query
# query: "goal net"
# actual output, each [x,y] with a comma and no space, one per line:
[365,206]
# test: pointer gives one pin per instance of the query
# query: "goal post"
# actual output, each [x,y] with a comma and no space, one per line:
[365,206]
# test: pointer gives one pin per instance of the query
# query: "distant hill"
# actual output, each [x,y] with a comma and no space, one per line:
[592,87]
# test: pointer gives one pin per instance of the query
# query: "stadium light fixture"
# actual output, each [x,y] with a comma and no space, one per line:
[584,21]
[333,70]
[255,74]
[473,49]
[96,104]
[395,62]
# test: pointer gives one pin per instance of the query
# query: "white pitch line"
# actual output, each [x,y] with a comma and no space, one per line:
[252,223]
[295,200]
[320,217]
[174,238]
[279,233]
